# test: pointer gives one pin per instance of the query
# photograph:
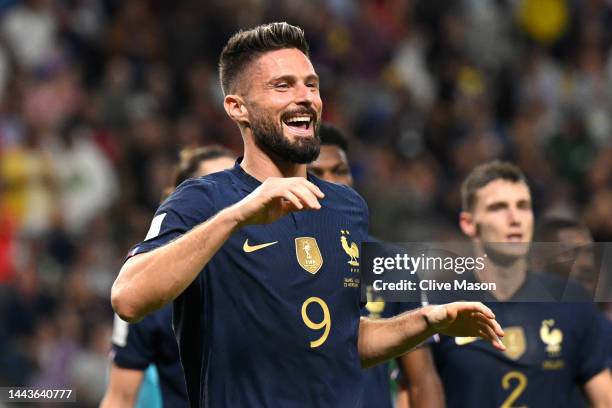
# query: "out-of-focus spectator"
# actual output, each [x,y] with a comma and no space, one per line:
[29,185]
[115,92]
[5,70]
[7,246]
[88,363]
[87,182]
[30,30]
[135,32]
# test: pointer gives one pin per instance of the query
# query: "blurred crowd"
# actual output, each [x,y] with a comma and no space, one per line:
[98,96]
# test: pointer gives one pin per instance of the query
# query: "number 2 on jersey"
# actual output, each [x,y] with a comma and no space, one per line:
[325,323]
[516,393]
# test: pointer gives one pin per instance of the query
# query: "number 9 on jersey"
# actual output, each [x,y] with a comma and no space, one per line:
[323,324]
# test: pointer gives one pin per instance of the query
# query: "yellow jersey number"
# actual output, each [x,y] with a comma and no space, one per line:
[323,324]
[521,384]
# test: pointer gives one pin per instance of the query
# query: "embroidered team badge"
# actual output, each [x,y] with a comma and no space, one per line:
[552,338]
[351,250]
[308,254]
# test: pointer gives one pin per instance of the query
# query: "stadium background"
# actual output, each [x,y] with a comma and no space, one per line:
[98,96]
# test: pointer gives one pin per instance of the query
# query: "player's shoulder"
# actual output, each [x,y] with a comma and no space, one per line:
[339,193]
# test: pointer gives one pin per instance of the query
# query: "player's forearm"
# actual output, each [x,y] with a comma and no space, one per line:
[149,281]
[424,385]
[427,392]
[383,339]
[123,386]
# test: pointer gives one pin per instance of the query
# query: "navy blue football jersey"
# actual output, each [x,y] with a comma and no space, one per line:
[273,318]
[152,341]
[551,347]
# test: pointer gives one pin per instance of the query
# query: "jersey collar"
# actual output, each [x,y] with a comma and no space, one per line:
[247,181]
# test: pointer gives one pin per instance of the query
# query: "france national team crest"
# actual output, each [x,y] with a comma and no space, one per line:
[352,250]
[308,254]
[515,342]
[551,337]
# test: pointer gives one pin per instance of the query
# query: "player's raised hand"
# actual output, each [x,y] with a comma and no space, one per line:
[276,197]
[466,319]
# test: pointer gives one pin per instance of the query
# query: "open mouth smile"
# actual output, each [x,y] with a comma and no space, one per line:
[300,123]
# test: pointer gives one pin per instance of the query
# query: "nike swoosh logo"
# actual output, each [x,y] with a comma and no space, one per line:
[248,248]
[462,341]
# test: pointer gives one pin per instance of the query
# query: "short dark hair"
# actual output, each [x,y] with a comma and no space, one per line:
[331,135]
[246,45]
[483,175]
[548,230]
[190,159]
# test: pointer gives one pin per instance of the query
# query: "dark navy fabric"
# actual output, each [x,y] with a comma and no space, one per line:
[607,324]
[242,336]
[152,341]
[551,347]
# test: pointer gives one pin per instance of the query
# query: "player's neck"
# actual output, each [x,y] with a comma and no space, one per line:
[260,165]
[508,277]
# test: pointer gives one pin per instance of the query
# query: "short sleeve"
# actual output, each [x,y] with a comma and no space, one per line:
[190,205]
[132,344]
[594,349]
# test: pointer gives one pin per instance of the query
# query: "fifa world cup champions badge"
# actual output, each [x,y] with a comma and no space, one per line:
[308,254]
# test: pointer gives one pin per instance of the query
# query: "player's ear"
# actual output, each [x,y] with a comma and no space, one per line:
[467,224]
[236,109]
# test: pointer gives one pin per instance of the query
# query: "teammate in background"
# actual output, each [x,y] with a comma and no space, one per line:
[151,341]
[574,258]
[425,389]
[576,237]
[198,162]
[252,256]
[550,346]
[332,163]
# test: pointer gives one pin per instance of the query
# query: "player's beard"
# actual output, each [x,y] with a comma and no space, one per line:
[270,138]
